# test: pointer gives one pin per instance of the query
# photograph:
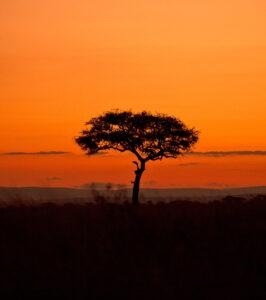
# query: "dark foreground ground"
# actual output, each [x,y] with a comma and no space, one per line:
[180,250]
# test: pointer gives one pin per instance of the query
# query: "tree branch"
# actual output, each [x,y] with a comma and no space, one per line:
[136,163]
[140,158]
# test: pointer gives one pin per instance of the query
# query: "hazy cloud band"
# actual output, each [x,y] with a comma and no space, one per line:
[36,153]
[227,153]
[207,153]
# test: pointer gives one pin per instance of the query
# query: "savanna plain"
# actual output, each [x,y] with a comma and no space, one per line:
[101,250]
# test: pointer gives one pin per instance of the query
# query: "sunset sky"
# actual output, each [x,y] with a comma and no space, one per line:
[65,61]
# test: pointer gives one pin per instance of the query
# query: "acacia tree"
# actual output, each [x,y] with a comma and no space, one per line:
[149,137]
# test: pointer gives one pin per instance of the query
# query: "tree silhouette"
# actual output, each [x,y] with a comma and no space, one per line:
[148,136]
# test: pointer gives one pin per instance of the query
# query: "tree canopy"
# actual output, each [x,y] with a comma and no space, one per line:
[148,136]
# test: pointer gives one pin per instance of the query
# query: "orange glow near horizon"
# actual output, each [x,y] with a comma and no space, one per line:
[65,61]
[75,170]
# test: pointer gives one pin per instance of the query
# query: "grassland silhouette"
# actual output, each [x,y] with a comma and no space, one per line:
[149,137]
[179,250]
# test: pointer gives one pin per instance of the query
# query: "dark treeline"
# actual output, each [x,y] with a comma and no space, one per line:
[179,250]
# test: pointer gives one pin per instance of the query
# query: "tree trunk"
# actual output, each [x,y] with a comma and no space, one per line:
[135,194]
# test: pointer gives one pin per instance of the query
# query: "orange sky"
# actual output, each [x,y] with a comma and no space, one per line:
[63,61]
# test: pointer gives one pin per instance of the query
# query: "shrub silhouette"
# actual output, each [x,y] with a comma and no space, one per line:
[148,136]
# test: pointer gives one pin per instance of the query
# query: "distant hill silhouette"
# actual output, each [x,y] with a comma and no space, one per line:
[36,195]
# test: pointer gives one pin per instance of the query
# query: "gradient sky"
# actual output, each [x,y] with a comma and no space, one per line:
[64,61]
